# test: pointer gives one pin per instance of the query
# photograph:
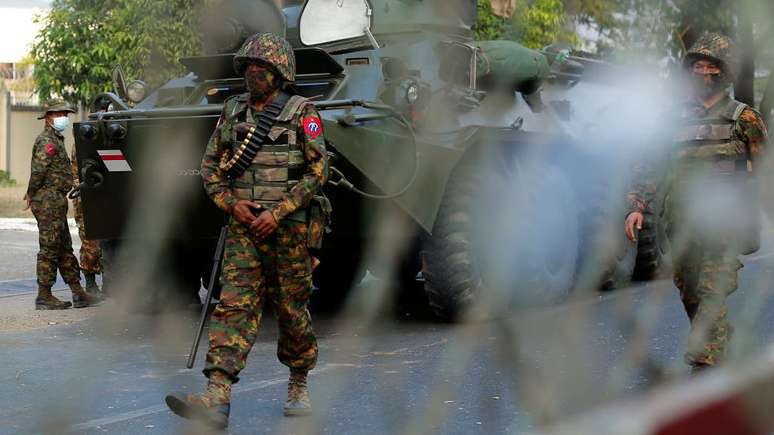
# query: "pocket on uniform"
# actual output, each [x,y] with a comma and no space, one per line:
[302,268]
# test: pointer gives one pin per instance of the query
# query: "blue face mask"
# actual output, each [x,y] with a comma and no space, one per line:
[60,123]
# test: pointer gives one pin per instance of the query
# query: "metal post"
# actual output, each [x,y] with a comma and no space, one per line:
[8,132]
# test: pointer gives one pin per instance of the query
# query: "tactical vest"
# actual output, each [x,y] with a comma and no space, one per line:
[710,145]
[713,167]
[280,163]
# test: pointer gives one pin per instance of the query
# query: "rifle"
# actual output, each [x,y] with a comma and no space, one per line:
[216,259]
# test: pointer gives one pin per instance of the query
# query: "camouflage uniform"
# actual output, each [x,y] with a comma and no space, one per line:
[91,254]
[50,181]
[716,149]
[284,177]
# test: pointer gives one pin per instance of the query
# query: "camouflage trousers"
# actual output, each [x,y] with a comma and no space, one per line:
[277,269]
[705,274]
[91,254]
[56,247]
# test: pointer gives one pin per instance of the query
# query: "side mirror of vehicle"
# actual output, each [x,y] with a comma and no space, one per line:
[119,82]
[336,21]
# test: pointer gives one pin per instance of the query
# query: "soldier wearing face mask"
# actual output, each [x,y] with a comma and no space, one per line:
[264,166]
[50,181]
[710,202]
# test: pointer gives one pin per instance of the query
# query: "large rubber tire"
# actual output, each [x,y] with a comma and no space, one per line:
[507,228]
[620,269]
[608,258]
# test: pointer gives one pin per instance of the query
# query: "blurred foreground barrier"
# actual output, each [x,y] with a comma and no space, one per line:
[735,400]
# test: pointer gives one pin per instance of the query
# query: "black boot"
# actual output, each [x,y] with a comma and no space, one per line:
[81,299]
[47,301]
[91,284]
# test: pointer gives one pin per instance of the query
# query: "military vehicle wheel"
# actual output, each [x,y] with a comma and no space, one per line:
[511,231]
[608,258]
[653,256]
[620,268]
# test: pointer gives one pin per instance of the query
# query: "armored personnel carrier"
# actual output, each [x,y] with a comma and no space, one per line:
[451,157]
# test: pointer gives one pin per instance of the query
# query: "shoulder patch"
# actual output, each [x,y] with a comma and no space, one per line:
[234,105]
[312,127]
[50,149]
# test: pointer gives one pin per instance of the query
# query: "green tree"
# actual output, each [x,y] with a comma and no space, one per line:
[81,41]
[488,25]
[542,23]
[535,24]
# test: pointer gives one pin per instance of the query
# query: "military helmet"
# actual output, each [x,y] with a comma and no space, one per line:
[267,48]
[716,48]
[55,106]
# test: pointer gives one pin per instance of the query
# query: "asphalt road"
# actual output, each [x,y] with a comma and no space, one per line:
[396,374]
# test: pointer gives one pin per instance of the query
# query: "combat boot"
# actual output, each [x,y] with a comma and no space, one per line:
[81,299]
[211,408]
[91,284]
[298,395]
[47,301]
[699,368]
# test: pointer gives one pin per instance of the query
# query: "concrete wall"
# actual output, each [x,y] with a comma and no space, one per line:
[19,127]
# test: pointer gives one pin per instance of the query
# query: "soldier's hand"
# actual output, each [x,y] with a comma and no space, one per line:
[633,225]
[243,212]
[28,201]
[264,225]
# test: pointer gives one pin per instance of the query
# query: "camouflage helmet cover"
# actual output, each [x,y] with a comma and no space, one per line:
[714,47]
[267,48]
[55,106]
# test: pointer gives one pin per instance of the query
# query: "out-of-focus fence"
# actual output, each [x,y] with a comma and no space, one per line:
[735,400]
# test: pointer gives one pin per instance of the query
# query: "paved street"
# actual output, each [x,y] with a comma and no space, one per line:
[108,373]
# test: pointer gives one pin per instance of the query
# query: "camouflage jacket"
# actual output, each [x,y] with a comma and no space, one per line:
[748,129]
[50,165]
[220,188]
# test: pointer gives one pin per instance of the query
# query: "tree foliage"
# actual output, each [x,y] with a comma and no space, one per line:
[534,24]
[81,41]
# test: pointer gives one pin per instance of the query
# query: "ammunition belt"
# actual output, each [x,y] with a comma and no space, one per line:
[255,137]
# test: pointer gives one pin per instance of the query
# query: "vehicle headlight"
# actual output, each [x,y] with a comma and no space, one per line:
[412,93]
[116,131]
[135,91]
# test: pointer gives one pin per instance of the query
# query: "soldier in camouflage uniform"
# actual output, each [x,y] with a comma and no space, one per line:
[50,181]
[719,143]
[91,254]
[266,254]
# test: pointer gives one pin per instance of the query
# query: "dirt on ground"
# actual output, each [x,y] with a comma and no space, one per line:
[11,203]
[17,313]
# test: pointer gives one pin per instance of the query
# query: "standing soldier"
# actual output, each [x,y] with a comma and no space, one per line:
[263,165]
[91,254]
[711,203]
[50,181]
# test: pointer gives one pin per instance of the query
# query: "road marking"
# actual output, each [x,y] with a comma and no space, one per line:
[253,386]
[758,257]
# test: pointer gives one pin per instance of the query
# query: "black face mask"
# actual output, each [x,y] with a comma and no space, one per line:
[260,83]
[704,89]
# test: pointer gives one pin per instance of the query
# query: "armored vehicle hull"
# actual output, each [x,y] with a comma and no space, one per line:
[451,159]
